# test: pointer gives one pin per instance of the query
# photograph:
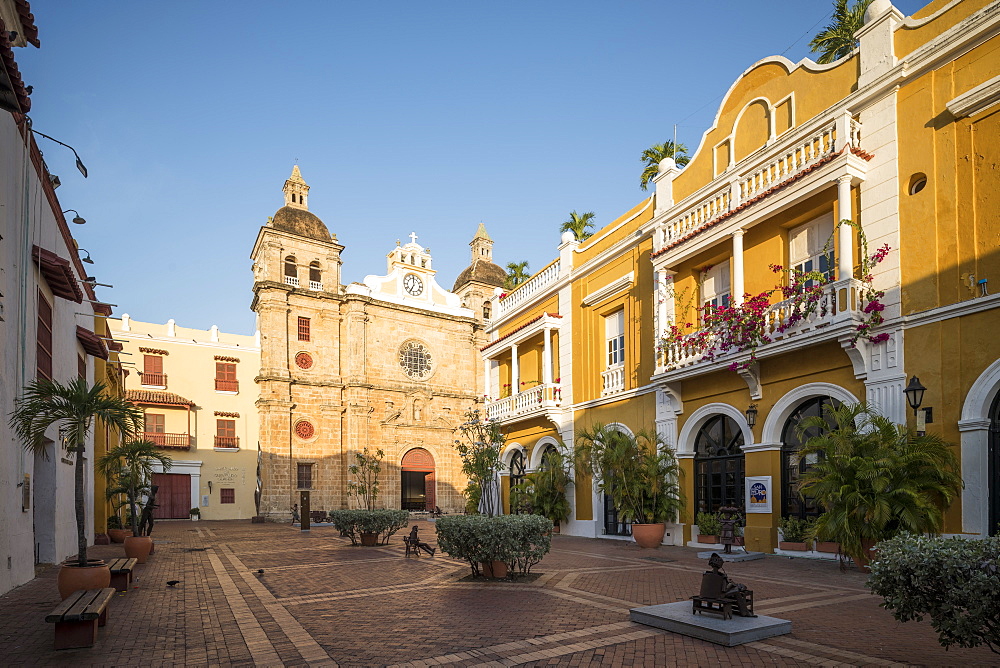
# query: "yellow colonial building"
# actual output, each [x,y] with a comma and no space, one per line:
[197,391]
[900,139]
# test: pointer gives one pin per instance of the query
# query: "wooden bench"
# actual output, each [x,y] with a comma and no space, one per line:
[78,617]
[712,597]
[121,573]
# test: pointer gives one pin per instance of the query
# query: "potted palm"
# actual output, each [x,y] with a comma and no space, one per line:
[638,472]
[795,532]
[130,464]
[544,491]
[73,407]
[195,514]
[876,479]
[708,528]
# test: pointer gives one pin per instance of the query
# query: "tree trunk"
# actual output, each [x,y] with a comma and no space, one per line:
[81,518]
[132,508]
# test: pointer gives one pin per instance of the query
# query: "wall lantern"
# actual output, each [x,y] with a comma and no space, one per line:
[752,415]
[914,394]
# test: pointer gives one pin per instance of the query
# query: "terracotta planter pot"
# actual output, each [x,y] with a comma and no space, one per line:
[102,539]
[555,527]
[152,545]
[138,547]
[369,539]
[707,539]
[827,546]
[866,556]
[493,569]
[118,535]
[73,578]
[784,545]
[648,535]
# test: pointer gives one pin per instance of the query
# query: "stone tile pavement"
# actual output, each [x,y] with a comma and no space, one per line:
[321,601]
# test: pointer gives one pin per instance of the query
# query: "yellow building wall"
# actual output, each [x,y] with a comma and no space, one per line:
[907,40]
[813,93]
[952,228]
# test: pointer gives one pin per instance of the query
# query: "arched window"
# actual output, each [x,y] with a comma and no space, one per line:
[291,271]
[792,464]
[315,276]
[487,310]
[719,465]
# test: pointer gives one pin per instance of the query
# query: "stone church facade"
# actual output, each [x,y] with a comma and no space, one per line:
[390,363]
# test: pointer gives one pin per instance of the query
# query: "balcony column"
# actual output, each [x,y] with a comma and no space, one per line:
[515,372]
[547,358]
[738,288]
[845,233]
[487,366]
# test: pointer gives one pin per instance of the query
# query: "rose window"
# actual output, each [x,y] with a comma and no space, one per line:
[304,361]
[415,359]
[304,429]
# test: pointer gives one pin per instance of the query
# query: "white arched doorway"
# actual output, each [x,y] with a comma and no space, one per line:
[980,441]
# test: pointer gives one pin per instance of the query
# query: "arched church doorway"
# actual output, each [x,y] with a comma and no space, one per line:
[793,466]
[417,484]
[719,465]
[993,529]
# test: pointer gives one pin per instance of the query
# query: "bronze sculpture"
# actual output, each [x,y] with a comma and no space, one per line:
[727,527]
[719,593]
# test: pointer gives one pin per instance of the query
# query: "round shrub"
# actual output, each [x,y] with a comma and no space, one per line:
[520,541]
[385,523]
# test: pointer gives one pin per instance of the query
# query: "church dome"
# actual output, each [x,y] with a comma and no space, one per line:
[481,271]
[301,222]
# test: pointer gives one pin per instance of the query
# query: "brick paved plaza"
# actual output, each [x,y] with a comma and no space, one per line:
[321,601]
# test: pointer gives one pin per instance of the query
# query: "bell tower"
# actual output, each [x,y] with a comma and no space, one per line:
[296,190]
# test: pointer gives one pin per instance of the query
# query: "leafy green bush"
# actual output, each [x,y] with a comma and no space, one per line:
[708,524]
[353,523]
[954,581]
[520,541]
[795,530]
[114,522]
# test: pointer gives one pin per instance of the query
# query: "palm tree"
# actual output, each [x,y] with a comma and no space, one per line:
[578,224]
[837,39]
[130,465]
[74,407]
[876,479]
[517,273]
[657,152]
[638,472]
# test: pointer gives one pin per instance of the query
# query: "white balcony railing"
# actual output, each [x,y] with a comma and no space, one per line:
[614,380]
[527,290]
[839,304]
[315,285]
[292,280]
[788,158]
[533,400]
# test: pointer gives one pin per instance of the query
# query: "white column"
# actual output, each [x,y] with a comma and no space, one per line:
[487,391]
[515,372]
[547,358]
[738,288]
[845,233]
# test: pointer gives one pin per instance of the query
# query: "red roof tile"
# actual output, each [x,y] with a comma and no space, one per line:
[28,27]
[58,274]
[16,99]
[154,397]
[91,343]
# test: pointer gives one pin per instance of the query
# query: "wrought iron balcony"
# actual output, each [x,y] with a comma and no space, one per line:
[529,403]
[169,441]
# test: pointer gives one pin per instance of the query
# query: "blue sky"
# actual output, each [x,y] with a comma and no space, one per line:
[428,117]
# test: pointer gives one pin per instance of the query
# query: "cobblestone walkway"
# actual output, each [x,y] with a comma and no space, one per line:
[320,601]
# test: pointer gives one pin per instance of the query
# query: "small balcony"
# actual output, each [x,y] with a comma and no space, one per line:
[529,403]
[836,316]
[292,280]
[316,285]
[613,380]
[154,379]
[168,441]
[227,442]
[227,385]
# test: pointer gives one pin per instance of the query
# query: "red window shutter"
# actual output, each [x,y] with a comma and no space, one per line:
[304,329]
[227,495]
[225,428]
[152,364]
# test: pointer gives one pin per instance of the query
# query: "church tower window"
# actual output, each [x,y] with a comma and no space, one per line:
[304,329]
[291,271]
[315,276]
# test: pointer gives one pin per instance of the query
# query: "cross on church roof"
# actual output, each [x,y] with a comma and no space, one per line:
[413,237]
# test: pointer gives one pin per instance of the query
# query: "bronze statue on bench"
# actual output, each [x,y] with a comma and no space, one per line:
[146,516]
[414,544]
[719,594]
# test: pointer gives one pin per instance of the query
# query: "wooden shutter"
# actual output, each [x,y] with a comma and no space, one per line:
[304,332]
[152,364]
[227,495]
